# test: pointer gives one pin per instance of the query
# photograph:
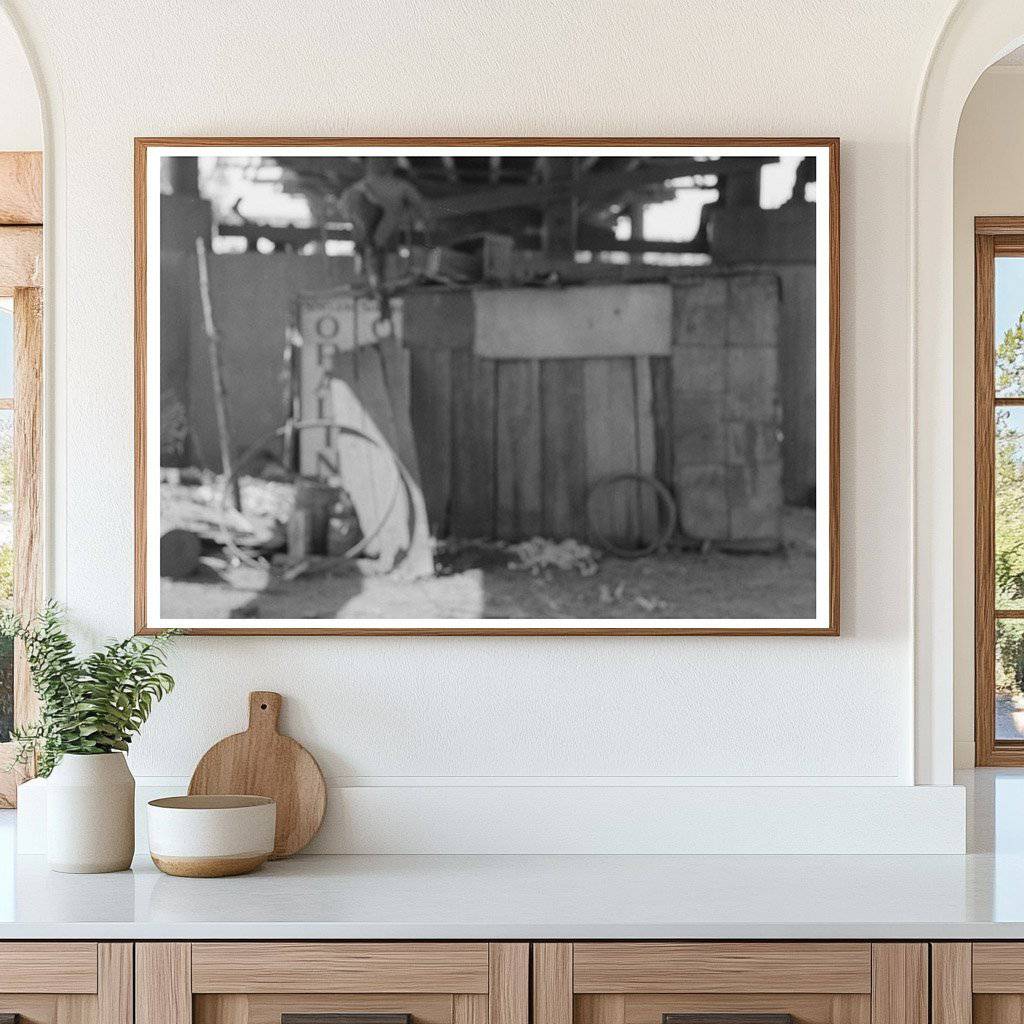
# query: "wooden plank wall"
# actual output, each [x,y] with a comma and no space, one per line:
[509,447]
[519,491]
[563,474]
[703,419]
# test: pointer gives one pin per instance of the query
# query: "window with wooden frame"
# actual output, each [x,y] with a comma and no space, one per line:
[21,359]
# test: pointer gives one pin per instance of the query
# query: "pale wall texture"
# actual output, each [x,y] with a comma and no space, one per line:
[989,180]
[709,711]
[21,125]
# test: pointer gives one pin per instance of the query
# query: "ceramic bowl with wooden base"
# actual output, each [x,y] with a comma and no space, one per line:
[211,836]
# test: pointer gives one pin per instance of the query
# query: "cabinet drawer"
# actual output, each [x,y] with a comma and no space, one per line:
[66,982]
[730,983]
[68,967]
[721,967]
[332,983]
[340,967]
[981,982]
[998,967]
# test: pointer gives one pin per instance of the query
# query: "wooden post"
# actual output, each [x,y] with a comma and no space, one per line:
[951,983]
[21,267]
[561,217]
[636,231]
[220,395]
[28,561]
[183,175]
[899,983]
[21,257]
[28,439]
[552,983]
[115,994]
[21,188]
[163,983]
[509,983]
[291,442]
[742,188]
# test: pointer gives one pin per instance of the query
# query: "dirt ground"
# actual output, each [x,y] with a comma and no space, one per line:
[475,581]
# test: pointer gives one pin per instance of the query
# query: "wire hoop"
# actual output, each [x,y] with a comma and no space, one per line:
[667,509]
[292,428]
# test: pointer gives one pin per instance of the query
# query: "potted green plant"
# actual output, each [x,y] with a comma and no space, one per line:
[89,709]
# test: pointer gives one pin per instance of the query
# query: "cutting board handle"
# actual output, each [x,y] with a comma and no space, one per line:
[264,710]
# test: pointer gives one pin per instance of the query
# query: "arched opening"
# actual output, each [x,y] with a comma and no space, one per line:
[988,182]
[976,36]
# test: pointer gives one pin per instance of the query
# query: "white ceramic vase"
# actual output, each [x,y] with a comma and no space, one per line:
[90,814]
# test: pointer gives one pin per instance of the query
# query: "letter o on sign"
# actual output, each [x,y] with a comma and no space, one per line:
[327,326]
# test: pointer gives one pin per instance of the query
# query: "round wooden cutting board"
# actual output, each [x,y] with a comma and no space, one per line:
[262,762]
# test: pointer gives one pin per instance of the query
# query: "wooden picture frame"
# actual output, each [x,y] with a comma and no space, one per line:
[824,152]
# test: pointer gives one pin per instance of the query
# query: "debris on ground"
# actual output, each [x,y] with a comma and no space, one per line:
[476,578]
[538,554]
[198,508]
[275,514]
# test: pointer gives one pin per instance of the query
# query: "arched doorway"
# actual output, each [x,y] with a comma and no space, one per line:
[976,35]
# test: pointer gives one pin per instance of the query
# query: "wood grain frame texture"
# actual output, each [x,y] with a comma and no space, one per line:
[143,144]
[884,982]
[488,983]
[993,236]
[67,982]
[951,983]
[979,982]
[21,235]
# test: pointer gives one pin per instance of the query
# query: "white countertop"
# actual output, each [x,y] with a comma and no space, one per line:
[977,896]
[489,897]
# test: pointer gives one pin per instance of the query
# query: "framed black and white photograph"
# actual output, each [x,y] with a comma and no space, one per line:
[536,386]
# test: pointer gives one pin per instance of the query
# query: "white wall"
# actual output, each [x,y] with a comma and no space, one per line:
[988,180]
[21,125]
[380,713]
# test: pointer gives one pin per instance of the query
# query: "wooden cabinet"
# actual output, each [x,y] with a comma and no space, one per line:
[981,982]
[751,982]
[497,983]
[332,983]
[66,982]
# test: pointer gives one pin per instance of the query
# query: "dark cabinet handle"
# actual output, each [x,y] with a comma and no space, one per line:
[727,1018]
[340,1018]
